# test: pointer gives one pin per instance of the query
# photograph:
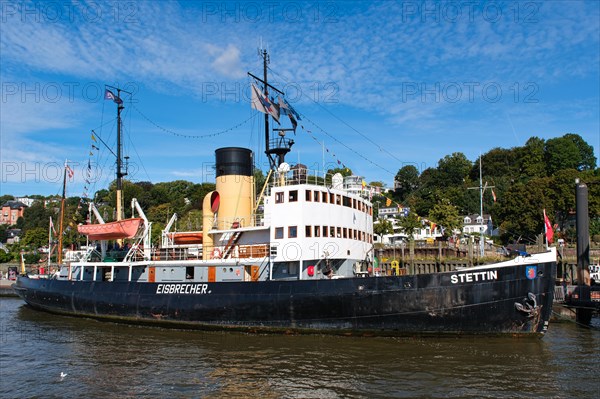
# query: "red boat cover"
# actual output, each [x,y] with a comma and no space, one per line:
[187,237]
[126,228]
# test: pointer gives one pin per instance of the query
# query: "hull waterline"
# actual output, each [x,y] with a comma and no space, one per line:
[511,303]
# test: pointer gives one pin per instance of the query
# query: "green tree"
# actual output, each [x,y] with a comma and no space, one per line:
[160,213]
[406,181]
[446,216]
[6,257]
[3,235]
[259,180]
[531,159]
[144,197]
[521,211]
[409,224]
[498,162]
[35,238]
[561,192]
[342,171]
[38,215]
[101,196]
[4,198]
[453,169]
[569,152]
[383,227]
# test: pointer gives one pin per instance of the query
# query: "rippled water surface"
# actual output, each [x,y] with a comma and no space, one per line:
[110,360]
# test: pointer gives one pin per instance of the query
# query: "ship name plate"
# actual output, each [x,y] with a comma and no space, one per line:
[474,276]
[182,289]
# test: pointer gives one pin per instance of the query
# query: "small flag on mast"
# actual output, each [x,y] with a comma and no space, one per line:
[493,195]
[70,172]
[94,138]
[287,109]
[293,121]
[275,110]
[109,95]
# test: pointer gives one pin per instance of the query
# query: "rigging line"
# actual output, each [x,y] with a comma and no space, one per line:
[189,136]
[132,145]
[381,149]
[104,124]
[351,149]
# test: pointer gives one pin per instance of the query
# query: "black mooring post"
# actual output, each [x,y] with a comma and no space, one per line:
[583,316]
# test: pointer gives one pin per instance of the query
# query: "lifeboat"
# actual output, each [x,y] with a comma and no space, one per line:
[126,228]
[186,237]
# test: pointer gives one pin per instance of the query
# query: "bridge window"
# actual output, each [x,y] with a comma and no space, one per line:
[292,231]
[316,196]
[279,198]
[293,195]
[308,195]
[308,231]
[317,230]
[278,232]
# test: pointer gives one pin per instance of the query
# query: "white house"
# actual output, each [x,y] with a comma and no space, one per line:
[476,224]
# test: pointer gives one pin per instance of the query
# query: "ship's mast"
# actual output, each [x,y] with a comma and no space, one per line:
[265,57]
[275,149]
[482,189]
[59,253]
[120,172]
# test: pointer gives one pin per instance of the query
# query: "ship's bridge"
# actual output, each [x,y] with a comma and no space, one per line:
[312,218]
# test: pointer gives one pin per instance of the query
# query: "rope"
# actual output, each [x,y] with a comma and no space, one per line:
[189,136]
[380,148]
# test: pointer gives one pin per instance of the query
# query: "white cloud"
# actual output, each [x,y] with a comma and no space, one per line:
[364,51]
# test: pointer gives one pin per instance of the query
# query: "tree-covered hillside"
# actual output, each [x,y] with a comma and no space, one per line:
[539,175]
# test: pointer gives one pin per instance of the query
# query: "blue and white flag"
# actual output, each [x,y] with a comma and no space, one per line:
[287,109]
[109,95]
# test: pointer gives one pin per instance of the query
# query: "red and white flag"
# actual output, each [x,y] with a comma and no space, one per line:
[548,228]
[70,172]
[261,103]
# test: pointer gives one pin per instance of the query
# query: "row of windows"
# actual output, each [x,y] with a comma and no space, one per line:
[325,197]
[325,231]
[468,220]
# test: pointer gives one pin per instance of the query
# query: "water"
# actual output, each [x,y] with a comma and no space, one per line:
[103,359]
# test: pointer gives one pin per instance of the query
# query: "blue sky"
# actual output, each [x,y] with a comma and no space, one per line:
[381,84]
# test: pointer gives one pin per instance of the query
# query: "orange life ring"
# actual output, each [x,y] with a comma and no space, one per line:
[216,253]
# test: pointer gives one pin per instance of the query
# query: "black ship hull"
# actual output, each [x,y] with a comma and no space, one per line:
[505,300]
